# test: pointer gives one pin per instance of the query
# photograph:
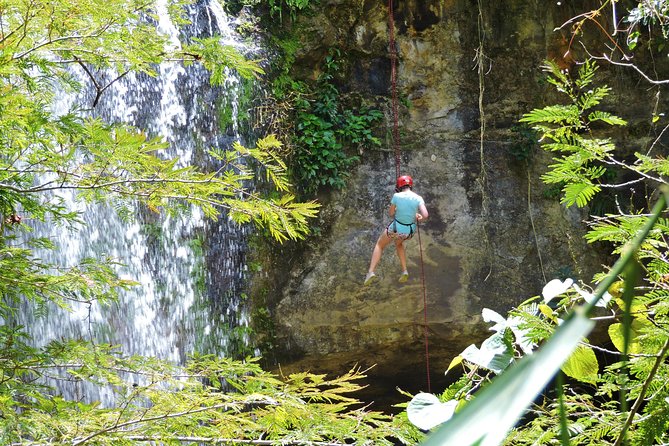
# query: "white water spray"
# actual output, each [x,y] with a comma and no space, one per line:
[191,271]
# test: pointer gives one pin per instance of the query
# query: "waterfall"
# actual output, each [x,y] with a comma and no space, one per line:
[191,271]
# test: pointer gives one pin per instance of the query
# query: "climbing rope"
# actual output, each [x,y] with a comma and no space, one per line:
[393,87]
[422,277]
[396,146]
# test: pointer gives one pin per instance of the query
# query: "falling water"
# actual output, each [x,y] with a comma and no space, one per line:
[191,271]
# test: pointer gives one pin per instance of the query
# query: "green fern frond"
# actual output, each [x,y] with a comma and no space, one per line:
[601,432]
[595,172]
[217,58]
[579,193]
[597,148]
[606,117]
[555,71]
[658,294]
[265,153]
[562,114]
[648,164]
[592,98]
[606,231]
[555,177]
[658,270]
[563,146]
[586,74]
[566,130]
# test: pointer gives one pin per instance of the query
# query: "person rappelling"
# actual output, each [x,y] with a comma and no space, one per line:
[407,208]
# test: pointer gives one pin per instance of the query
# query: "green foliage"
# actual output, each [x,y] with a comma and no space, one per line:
[325,132]
[324,128]
[207,400]
[524,143]
[26,277]
[277,7]
[283,84]
[113,163]
[281,215]
[216,58]
[645,16]
[528,325]
[569,132]
[582,365]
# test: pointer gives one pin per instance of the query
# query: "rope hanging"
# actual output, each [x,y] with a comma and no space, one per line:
[422,277]
[396,146]
[393,86]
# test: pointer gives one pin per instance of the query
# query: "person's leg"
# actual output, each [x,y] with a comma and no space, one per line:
[381,244]
[399,244]
[404,276]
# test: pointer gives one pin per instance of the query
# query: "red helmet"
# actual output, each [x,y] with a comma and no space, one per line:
[404,180]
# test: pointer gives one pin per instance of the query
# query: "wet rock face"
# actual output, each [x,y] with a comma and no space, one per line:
[492,239]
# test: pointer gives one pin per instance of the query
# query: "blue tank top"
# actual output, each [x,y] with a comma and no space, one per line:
[407,204]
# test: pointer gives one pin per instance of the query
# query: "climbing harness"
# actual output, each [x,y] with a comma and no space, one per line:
[404,235]
[393,54]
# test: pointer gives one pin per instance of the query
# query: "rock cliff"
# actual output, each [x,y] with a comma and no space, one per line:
[493,237]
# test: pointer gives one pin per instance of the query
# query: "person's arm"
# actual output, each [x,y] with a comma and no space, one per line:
[422,213]
[393,206]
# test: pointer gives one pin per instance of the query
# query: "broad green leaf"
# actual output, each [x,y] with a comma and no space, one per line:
[497,407]
[513,324]
[638,309]
[582,365]
[489,315]
[636,330]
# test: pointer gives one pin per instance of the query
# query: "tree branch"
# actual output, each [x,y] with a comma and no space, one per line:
[98,90]
[111,184]
[56,40]
[634,67]
[45,187]
[619,185]
[116,369]
[118,426]
[642,393]
[613,161]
